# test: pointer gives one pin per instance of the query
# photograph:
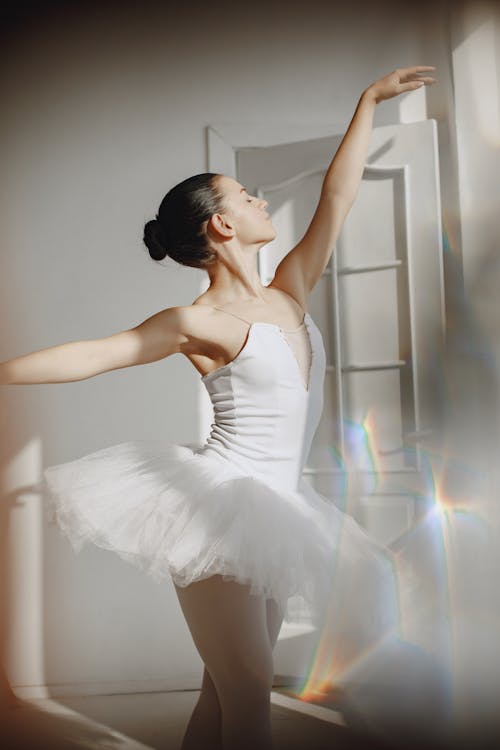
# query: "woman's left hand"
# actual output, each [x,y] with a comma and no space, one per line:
[400,81]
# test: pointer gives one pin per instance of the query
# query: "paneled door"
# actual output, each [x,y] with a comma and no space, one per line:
[379,305]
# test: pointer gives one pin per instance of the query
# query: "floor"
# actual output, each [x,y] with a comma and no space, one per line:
[156,721]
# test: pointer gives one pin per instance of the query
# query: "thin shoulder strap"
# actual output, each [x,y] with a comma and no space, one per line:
[233,314]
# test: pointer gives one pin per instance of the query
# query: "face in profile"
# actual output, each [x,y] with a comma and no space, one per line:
[252,223]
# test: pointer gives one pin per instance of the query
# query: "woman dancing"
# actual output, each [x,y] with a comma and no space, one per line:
[231,522]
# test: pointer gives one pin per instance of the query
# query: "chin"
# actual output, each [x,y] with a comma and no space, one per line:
[267,237]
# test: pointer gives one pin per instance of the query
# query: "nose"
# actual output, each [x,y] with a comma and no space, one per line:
[264,203]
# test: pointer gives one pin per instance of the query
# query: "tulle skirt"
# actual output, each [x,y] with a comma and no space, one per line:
[178,513]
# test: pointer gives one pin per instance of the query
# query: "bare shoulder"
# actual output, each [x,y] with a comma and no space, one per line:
[181,325]
[189,323]
[198,316]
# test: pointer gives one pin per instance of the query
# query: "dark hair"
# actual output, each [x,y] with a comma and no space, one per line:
[176,230]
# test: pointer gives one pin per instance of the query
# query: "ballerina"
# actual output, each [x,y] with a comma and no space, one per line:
[231,522]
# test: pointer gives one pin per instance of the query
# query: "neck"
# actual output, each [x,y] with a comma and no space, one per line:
[235,277]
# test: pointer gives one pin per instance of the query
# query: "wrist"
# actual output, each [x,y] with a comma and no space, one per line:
[369,95]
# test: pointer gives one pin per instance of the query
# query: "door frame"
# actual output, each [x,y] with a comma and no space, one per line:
[223,140]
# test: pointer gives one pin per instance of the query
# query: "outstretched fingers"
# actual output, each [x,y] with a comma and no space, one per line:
[415,69]
[416,73]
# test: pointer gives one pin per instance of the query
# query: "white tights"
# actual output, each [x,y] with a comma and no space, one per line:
[235,633]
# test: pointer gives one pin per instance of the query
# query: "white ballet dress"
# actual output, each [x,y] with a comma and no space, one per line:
[238,505]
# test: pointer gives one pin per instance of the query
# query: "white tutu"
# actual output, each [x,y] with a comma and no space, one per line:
[237,506]
[177,513]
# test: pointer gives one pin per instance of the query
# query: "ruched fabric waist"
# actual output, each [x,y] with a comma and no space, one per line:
[276,473]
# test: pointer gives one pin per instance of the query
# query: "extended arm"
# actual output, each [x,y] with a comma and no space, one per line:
[300,269]
[155,338]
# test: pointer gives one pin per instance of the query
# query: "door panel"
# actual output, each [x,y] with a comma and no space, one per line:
[379,305]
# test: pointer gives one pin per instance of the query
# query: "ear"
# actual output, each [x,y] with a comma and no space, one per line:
[220,227]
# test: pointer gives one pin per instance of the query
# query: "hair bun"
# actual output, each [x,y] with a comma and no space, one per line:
[155,239]
[177,229]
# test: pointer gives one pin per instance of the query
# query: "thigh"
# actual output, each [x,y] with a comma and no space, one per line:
[229,629]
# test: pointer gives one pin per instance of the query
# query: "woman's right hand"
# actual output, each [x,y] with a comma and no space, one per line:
[400,81]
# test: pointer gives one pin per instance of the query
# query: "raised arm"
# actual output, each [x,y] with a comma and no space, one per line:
[301,268]
[155,338]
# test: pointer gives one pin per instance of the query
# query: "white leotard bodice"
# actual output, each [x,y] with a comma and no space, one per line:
[268,401]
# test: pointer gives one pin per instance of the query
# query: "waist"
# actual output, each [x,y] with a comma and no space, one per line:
[279,471]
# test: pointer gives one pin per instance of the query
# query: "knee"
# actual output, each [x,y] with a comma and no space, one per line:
[247,684]
[208,698]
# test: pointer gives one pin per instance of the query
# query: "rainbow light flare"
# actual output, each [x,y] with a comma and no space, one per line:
[332,662]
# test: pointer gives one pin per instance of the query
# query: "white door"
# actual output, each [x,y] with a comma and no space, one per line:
[379,305]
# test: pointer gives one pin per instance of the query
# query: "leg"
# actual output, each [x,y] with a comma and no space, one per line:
[229,629]
[205,725]
[274,621]
[204,729]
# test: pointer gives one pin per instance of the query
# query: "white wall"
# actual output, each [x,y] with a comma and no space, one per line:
[476,65]
[103,111]
[475,335]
